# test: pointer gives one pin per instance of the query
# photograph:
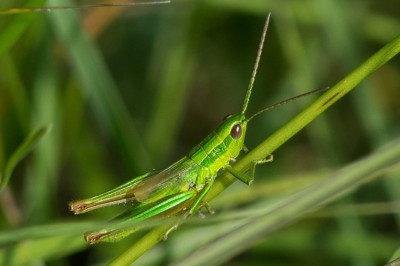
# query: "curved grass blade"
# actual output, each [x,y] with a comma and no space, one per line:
[23,150]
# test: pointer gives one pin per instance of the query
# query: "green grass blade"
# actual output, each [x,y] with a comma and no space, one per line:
[46,230]
[171,85]
[99,87]
[30,252]
[23,150]
[13,30]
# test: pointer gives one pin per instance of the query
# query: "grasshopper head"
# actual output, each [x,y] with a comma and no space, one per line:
[233,131]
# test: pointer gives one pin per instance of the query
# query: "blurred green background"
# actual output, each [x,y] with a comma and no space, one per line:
[133,89]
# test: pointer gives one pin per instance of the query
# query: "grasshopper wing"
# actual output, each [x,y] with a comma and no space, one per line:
[180,177]
[149,187]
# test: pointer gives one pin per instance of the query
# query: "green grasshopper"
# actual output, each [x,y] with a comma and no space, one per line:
[180,188]
[183,185]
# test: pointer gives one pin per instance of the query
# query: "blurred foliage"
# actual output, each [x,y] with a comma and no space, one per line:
[132,89]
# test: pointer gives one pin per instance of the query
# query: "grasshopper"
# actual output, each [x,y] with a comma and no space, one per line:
[181,187]
[185,183]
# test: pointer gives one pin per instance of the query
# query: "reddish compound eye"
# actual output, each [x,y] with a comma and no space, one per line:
[236,131]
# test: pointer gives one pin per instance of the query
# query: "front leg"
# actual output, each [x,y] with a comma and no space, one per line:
[248,179]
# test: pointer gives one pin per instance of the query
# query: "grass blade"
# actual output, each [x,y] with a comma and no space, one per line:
[23,150]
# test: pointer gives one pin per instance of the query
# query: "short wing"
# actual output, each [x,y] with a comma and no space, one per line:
[177,178]
[149,187]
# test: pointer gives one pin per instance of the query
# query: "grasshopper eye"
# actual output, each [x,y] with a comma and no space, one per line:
[227,117]
[236,131]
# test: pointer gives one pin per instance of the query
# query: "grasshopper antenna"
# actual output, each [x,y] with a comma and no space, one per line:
[253,75]
[287,101]
[52,8]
